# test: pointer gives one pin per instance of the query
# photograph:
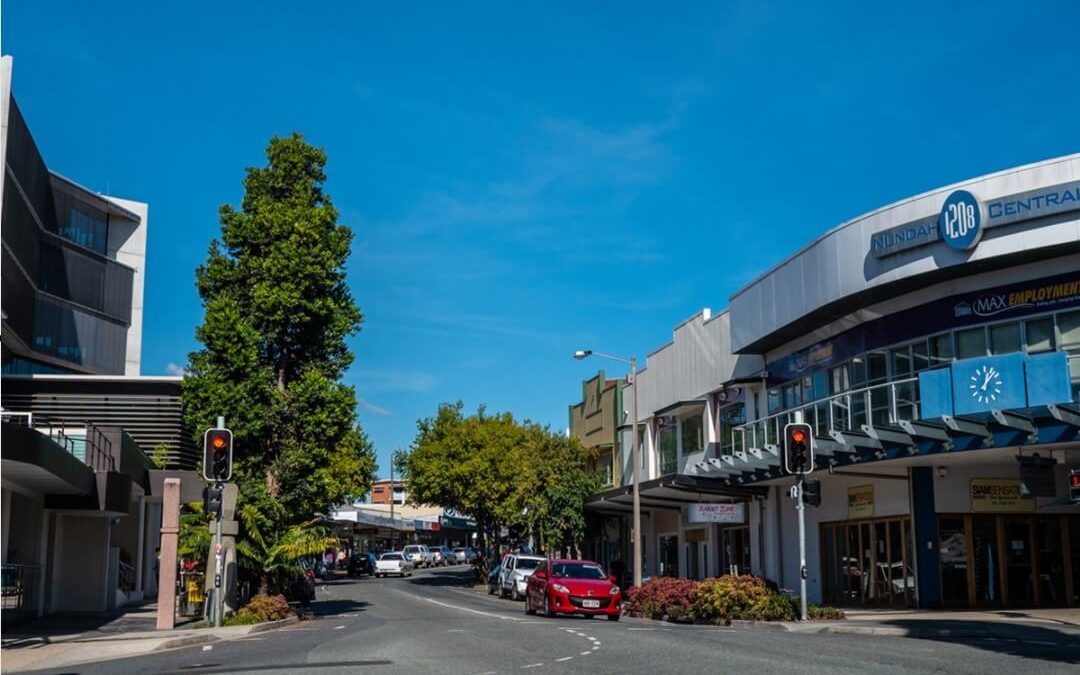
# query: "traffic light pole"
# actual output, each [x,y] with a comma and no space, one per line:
[219,597]
[800,506]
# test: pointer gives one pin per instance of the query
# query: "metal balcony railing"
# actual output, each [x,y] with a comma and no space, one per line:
[878,405]
[88,443]
[18,590]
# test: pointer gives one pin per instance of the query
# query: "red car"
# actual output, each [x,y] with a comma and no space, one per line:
[573,587]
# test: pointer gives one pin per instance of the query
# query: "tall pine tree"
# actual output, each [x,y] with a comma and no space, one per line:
[278,313]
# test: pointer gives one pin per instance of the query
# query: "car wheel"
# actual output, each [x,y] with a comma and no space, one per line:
[549,611]
[491,589]
[614,617]
[514,594]
[528,606]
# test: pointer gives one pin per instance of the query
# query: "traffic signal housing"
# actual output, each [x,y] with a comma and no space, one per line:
[798,448]
[217,455]
[212,500]
[812,492]
[1074,486]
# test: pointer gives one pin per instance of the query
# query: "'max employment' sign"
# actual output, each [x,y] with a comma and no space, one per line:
[964,218]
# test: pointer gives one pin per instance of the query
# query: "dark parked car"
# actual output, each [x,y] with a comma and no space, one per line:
[361,563]
[493,579]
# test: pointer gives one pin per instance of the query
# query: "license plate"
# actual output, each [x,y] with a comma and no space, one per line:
[590,603]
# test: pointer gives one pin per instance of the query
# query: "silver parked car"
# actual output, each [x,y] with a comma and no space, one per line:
[463,555]
[516,569]
[419,554]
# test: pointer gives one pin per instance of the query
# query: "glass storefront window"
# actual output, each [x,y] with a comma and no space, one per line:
[1005,338]
[774,401]
[876,368]
[1069,325]
[971,343]
[901,362]
[730,417]
[1040,335]
[838,380]
[668,450]
[792,396]
[941,349]
[920,356]
[693,438]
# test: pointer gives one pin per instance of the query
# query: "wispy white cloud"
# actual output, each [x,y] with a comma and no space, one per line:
[372,408]
[175,370]
[414,381]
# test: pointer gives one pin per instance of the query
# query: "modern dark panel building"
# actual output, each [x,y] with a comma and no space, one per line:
[84,436]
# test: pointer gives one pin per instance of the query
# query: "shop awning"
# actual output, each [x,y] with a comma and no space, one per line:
[672,492]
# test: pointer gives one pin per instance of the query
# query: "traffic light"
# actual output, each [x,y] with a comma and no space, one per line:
[1074,486]
[798,448]
[812,492]
[217,455]
[212,497]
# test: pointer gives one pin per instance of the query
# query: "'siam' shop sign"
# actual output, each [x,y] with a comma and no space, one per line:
[716,513]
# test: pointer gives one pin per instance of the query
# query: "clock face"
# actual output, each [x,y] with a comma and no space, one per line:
[985,384]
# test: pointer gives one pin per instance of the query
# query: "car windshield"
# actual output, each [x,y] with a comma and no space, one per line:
[528,563]
[391,556]
[576,571]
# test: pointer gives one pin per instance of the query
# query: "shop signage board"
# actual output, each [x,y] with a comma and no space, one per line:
[860,501]
[964,217]
[734,514]
[999,495]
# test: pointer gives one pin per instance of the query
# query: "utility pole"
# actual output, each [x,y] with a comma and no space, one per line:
[635,457]
[800,505]
[219,596]
[393,530]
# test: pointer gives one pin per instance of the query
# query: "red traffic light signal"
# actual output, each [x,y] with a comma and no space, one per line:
[217,455]
[1074,486]
[798,448]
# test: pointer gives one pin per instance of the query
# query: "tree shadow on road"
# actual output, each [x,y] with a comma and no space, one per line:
[461,578]
[1026,640]
[336,606]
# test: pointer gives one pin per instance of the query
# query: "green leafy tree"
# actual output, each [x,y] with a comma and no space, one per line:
[558,484]
[501,473]
[277,315]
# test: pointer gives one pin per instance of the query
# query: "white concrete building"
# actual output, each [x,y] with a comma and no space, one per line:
[932,344]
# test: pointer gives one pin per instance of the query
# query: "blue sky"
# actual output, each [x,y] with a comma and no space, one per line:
[525,180]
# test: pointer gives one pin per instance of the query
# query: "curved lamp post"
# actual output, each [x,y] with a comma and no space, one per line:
[634,450]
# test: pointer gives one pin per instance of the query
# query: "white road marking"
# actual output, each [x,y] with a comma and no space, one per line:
[456,630]
[565,658]
[597,643]
[532,665]
[338,627]
[347,616]
[474,611]
[585,653]
[207,648]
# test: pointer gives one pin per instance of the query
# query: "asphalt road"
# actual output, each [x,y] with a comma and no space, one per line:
[435,623]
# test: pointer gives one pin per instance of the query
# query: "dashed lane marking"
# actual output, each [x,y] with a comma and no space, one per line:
[456,630]
[338,627]
[584,653]
[207,648]
[532,665]
[565,658]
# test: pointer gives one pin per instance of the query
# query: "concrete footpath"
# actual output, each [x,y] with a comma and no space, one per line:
[51,645]
[1022,624]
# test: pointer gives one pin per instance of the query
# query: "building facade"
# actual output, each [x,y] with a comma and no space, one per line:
[934,345]
[81,513]
[595,422]
[383,491]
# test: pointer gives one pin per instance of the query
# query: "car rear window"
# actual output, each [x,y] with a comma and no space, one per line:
[528,563]
[391,556]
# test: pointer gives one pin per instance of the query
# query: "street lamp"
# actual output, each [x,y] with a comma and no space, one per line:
[634,450]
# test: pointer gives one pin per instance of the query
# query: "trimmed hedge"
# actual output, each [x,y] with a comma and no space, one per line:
[260,609]
[718,601]
[661,597]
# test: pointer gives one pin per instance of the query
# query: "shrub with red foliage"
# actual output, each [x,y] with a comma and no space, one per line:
[660,597]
